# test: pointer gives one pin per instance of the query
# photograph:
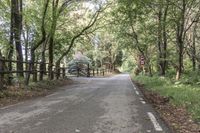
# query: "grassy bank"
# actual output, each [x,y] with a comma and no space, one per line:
[14,94]
[181,93]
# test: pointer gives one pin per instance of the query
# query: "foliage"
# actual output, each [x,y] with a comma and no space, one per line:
[181,93]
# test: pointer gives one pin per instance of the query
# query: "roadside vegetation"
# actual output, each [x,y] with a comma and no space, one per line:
[174,101]
[20,92]
[181,93]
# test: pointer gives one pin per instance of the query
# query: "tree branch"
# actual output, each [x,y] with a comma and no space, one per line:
[90,24]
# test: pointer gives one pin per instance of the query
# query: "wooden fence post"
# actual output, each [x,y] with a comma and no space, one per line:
[53,73]
[97,71]
[63,72]
[88,70]
[28,73]
[42,66]
[58,71]
[1,74]
[77,67]
[10,76]
[35,72]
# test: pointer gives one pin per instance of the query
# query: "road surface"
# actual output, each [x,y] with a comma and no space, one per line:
[92,105]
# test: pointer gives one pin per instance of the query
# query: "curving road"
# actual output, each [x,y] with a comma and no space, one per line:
[92,105]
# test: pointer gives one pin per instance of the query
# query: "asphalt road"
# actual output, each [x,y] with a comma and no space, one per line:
[92,105]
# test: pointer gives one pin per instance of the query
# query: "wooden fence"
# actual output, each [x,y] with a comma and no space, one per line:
[91,71]
[38,71]
[33,69]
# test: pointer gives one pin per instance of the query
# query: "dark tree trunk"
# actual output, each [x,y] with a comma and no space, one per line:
[180,39]
[51,40]
[180,52]
[43,61]
[17,5]
[194,48]
[162,37]
[1,69]
[11,46]
[180,60]
[51,51]
[160,51]
[165,40]
[57,69]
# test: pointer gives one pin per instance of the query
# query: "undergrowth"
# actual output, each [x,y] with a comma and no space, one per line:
[185,92]
[34,89]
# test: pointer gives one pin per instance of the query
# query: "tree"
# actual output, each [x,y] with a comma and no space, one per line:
[16,13]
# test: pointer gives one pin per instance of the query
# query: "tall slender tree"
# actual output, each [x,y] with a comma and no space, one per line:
[17,28]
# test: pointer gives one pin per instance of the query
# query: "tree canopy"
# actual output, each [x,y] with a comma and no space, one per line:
[112,33]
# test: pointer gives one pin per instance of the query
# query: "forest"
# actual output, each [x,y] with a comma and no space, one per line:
[156,41]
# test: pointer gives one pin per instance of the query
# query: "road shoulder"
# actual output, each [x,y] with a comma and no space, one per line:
[176,118]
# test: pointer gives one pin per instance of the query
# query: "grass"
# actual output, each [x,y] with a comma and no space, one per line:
[184,92]
[17,93]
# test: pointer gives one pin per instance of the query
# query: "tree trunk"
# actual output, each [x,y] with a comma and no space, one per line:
[180,61]
[57,69]
[43,61]
[17,5]
[1,70]
[180,39]
[26,41]
[160,56]
[52,34]
[11,46]
[165,39]
[194,48]
[162,37]
[51,51]
[43,38]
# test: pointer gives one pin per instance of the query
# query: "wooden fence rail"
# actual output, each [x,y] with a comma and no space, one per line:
[38,70]
[30,68]
[91,72]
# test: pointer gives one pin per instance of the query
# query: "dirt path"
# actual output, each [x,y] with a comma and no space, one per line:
[93,105]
